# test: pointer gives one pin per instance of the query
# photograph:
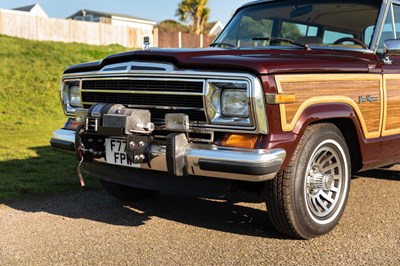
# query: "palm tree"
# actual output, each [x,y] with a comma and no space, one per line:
[194,12]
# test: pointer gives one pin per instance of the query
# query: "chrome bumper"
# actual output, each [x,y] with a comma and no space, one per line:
[63,140]
[253,165]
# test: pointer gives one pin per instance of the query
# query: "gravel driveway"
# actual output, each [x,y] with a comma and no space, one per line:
[91,228]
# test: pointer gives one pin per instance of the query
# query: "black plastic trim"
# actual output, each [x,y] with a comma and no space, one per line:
[62,145]
[239,168]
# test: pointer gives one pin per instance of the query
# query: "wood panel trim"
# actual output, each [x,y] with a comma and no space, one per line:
[388,132]
[331,99]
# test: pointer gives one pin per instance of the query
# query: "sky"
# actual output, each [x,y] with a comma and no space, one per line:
[157,10]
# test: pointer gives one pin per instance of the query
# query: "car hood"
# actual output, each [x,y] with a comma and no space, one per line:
[259,62]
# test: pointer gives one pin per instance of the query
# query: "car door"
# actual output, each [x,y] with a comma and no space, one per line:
[391,84]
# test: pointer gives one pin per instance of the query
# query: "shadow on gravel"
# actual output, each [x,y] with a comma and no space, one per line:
[391,172]
[222,215]
[231,215]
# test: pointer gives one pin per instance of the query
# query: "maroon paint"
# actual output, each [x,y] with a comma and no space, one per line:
[258,62]
[263,63]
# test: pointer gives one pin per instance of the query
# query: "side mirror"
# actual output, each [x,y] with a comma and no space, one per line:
[392,47]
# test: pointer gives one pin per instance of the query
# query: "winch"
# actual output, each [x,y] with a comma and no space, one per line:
[103,120]
[123,136]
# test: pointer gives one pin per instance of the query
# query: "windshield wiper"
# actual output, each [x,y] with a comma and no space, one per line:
[222,44]
[282,40]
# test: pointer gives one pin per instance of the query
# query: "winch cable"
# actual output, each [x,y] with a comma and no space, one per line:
[80,150]
[81,180]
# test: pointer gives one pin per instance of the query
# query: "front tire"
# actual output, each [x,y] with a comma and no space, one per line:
[308,198]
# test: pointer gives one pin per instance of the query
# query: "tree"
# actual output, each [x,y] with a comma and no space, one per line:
[170,25]
[195,13]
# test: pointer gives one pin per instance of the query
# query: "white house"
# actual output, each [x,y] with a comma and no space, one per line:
[144,26]
[216,28]
[35,10]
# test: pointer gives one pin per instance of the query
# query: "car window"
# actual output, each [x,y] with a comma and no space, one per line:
[332,36]
[368,34]
[248,28]
[295,31]
[310,22]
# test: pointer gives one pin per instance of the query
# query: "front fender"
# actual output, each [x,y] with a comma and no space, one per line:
[343,115]
[327,112]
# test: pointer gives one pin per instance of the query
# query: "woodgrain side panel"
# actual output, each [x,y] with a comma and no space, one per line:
[323,88]
[391,123]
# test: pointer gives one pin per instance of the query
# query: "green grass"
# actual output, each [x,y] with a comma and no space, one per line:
[30,111]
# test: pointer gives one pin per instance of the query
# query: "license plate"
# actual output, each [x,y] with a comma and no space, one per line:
[116,153]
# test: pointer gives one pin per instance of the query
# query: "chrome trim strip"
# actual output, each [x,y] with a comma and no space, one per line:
[184,75]
[216,117]
[158,107]
[136,76]
[259,107]
[68,109]
[379,25]
[393,21]
[128,66]
[147,92]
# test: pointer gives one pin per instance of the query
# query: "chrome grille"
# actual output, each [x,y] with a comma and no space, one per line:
[144,85]
[158,96]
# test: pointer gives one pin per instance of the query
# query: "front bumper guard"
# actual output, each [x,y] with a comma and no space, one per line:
[63,140]
[208,160]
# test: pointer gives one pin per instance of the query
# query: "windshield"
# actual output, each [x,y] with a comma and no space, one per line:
[311,23]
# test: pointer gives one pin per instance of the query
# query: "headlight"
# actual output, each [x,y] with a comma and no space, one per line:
[75,96]
[234,103]
[228,102]
[71,96]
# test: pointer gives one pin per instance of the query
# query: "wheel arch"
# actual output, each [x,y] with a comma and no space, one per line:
[345,118]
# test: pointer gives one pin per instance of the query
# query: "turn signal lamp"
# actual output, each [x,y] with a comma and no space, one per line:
[240,140]
[273,98]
